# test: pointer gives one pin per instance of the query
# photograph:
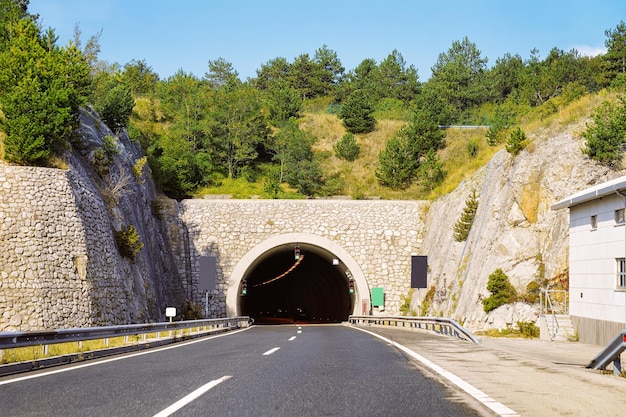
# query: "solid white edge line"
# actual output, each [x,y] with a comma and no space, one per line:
[269,352]
[190,397]
[497,407]
[119,358]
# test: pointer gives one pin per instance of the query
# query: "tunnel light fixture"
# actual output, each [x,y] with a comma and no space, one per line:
[335,261]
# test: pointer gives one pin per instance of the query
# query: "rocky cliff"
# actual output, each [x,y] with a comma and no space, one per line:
[514,228]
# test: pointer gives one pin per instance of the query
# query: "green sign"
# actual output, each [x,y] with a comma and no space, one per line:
[378,297]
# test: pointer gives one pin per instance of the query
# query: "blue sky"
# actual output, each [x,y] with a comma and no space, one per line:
[172,35]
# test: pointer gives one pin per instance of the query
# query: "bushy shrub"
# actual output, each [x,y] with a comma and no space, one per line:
[502,291]
[128,242]
[347,148]
[516,141]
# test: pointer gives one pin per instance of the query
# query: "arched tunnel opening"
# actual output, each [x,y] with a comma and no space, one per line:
[280,287]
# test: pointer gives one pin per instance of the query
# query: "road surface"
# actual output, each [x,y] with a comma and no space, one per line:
[309,370]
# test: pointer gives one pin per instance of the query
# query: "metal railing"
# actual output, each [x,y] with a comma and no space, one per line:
[547,307]
[611,353]
[9,340]
[438,325]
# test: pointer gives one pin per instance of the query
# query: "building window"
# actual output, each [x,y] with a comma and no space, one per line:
[621,273]
[619,216]
[594,222]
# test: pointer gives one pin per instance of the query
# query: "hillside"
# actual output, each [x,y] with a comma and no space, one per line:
[514,228]
[358,176]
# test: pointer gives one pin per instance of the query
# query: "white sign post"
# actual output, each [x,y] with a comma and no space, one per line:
[170,312]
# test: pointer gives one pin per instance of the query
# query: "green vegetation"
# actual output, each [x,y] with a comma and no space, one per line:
[516,142]
[347,148]
[427,301]
[463,226]
[502,292]
[405,306]
[128,242]
[277,131]
[606,136]
[525,329]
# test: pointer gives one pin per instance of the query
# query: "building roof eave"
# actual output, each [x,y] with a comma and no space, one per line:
[593,193]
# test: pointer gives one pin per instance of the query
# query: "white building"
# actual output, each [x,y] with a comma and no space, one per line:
[597,260]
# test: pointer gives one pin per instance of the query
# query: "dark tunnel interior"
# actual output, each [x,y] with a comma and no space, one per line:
[281,289]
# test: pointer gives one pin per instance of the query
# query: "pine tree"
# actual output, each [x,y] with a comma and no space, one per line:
[502,291]
[463,226]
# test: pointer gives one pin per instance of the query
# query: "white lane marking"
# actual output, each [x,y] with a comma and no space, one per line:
[190,397]
[499,408]
[118,358]
[269,352]
[299,331]
[292,338]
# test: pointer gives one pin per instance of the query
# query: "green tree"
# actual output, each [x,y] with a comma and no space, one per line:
[274,70]
[398,164]
[464,224]
[221,73]
[516,142]
[140,78]
[283,102]
[394,80]
[330,70]
[502,292]
[289,146]
[507,76]
[116,106]
[363,77]
[42,88]
[546,79]
[606,135]
[615,56]
[236,128]
[460,75]
[307,177]
[347,148]
[431,172]
[303,73]
[357,113]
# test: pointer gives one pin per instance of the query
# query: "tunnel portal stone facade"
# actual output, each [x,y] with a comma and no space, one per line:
[379,235]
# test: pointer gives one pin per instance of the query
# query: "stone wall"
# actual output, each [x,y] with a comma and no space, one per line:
[43,251]
[380,236]
[59,262]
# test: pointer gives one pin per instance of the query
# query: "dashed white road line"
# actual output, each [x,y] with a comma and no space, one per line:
[269,352]
[292,338]
[497,407]
[190,397]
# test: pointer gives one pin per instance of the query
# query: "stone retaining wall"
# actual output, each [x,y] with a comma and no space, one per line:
[380,236]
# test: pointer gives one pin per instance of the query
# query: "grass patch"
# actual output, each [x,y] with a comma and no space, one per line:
[525,329]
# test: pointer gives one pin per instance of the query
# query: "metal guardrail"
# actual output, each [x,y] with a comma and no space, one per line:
[611,353]
[9,340]
[439,325]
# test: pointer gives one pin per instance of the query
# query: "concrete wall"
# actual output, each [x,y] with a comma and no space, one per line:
[379,237]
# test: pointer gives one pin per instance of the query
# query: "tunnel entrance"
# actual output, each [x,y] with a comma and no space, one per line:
[280,287]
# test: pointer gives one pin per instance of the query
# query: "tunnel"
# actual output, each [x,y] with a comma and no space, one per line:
[296,282]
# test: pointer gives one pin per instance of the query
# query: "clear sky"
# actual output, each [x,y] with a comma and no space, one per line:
[185,34]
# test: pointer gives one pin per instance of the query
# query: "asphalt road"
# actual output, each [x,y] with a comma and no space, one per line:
[323,370]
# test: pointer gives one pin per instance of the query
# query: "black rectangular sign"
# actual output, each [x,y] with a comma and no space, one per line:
[419,269]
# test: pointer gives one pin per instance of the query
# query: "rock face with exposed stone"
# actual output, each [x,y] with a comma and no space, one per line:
[514,228]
